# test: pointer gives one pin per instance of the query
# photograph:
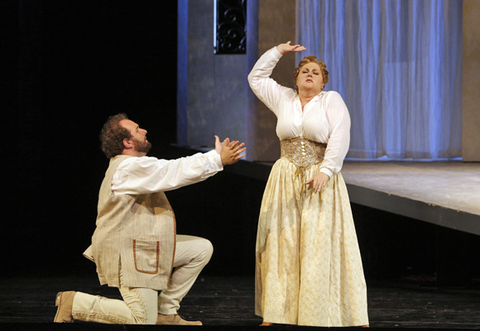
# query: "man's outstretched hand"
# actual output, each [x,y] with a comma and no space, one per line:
[230,151]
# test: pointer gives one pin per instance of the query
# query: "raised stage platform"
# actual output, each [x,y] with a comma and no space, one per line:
[443,193]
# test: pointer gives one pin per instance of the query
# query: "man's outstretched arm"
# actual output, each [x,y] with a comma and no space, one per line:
[143,175]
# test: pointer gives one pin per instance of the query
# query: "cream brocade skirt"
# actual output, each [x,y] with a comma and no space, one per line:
[308,264]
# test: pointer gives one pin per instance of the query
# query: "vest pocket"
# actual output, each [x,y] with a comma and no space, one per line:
[146,254]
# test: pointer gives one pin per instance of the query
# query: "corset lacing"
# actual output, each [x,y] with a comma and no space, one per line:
[303,153]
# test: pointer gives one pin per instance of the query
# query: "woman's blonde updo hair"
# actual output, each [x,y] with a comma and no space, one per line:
[321,64]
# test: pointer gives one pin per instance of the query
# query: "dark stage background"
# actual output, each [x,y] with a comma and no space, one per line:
[67,66]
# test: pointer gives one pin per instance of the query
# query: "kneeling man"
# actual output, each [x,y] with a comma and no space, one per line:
[135,246]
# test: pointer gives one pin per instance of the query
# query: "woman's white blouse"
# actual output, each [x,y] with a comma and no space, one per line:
[324,119]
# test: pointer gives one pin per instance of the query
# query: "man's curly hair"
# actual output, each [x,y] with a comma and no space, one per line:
[112,135]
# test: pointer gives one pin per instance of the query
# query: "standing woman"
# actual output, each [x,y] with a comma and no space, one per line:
[308,264]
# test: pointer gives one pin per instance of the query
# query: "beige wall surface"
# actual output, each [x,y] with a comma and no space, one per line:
[276,24]
[471,81]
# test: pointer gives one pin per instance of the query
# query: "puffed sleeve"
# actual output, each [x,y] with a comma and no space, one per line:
[339,133]
[143,175]
[264,87]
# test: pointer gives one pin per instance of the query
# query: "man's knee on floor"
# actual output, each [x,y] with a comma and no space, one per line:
[145,312]
[147,320]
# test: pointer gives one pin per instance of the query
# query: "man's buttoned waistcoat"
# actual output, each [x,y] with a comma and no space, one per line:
[135,235]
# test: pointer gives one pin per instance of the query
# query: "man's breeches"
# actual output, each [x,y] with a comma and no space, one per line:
[141,305]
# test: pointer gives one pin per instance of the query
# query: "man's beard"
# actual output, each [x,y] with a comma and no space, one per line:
[143,147]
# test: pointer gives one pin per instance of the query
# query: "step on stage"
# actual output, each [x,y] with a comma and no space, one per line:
[442,193]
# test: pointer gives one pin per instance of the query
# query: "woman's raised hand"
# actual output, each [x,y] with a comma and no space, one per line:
[287,48]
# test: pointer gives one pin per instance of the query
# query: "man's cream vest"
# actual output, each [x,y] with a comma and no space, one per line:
[135,236]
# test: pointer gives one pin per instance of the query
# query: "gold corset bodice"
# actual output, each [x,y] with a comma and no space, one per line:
[302,152]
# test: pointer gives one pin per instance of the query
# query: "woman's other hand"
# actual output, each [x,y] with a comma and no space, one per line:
[319,181]
[287,48]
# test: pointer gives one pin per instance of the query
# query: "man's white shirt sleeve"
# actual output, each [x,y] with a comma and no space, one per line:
[144,175]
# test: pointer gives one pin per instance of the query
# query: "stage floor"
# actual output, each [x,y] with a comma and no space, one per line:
[225,302]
